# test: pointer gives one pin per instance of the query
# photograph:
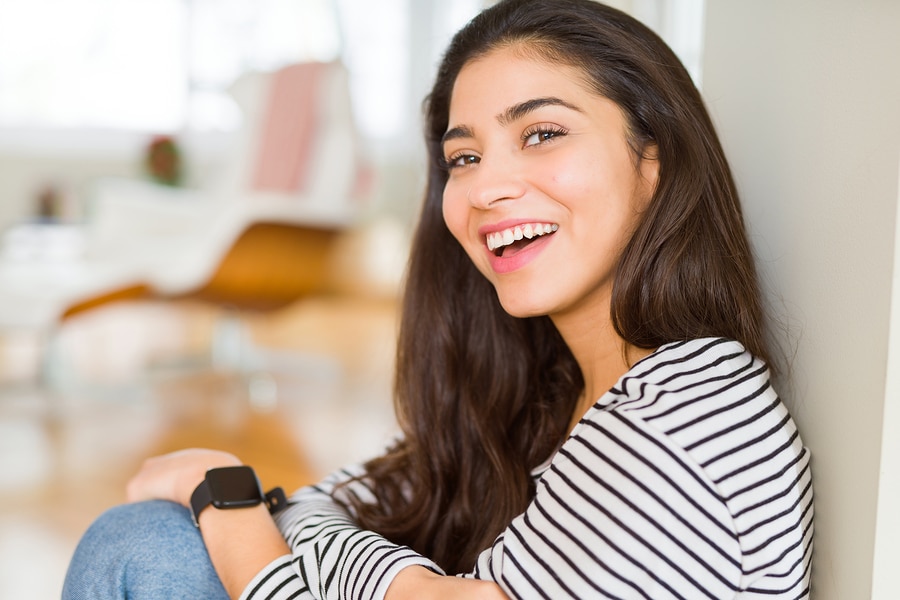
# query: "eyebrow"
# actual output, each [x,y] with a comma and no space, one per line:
[517,111]
[514,112]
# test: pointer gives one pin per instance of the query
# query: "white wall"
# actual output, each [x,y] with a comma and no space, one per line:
[887,534]
[72,161]
[25,173]
[806,95]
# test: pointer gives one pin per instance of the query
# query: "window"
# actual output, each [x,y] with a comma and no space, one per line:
[158,66]
[166,65]
[680,23]
[93,64]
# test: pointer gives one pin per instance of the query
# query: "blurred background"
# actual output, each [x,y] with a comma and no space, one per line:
[205,211]
[205,208]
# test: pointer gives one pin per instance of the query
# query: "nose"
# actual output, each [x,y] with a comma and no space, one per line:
[495,181]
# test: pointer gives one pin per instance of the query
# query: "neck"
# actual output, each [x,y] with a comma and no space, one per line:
[601,353]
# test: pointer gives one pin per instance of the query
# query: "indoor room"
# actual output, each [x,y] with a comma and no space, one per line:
[159,289]
[207,207]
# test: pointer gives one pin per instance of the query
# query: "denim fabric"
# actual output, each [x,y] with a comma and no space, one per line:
[145,551]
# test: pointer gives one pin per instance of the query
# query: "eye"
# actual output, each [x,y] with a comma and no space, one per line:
[541,134]
[461,160]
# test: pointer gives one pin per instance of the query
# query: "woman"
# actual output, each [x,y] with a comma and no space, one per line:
[581,380]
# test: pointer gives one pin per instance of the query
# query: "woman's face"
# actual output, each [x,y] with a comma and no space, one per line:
[544,191]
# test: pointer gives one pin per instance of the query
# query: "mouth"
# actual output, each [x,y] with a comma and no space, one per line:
[511,240]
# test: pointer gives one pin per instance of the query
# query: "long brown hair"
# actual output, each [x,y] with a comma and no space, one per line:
[483,398]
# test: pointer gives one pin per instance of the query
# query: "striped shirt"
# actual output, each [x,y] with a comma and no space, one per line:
[687,479]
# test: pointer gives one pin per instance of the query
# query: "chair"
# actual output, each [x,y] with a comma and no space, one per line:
[261,234]
[297,159]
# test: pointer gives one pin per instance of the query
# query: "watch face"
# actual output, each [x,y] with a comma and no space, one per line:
[232,487]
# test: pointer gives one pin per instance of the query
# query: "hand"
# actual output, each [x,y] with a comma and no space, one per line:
[240,542]
[420,583]
[175,476]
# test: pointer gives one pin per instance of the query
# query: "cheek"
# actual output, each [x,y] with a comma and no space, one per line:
[454,212]
[569,178]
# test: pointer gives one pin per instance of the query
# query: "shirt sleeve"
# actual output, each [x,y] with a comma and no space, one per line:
[332,557]
[620,512]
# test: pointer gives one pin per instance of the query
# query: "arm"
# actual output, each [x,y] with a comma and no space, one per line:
[418,583]
[340,560]
[241,542]
[336,558]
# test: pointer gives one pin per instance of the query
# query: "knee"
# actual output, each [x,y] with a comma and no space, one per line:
[135,541]
[151,516]
[131,527]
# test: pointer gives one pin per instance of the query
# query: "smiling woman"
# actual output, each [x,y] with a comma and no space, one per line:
[583,383]
[565,162]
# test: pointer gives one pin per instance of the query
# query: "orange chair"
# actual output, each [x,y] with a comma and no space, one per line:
[261,236]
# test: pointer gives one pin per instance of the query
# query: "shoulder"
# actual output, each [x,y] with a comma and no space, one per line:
[685,391]
[683,406]
[707,409]
[711,402]
[673,413]
[704,396]
[681,365]
[692,386]
[692,449]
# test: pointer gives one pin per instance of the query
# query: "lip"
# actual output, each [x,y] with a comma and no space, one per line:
[484,230]
[502,265]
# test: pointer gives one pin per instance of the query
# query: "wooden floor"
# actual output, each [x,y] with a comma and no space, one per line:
[136,380]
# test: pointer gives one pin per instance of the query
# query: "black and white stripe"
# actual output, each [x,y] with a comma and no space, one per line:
[686,480]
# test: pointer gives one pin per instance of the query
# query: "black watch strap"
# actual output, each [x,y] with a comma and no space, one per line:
[275,500]
[202,497]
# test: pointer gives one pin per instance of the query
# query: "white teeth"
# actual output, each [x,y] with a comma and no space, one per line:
[498,239]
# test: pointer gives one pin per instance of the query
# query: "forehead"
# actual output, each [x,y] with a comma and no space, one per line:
[509,75]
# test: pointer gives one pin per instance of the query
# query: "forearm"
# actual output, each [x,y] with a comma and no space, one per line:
[338,558]
[418,583]
[241,543]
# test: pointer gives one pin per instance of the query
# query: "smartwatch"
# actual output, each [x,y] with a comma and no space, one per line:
[233,487]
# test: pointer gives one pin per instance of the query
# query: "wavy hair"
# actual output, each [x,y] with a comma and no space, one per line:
[483,398]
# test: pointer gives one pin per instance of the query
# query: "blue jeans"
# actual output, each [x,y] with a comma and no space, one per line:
[144,551]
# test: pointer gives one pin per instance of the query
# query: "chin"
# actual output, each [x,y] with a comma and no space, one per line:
[521,310]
